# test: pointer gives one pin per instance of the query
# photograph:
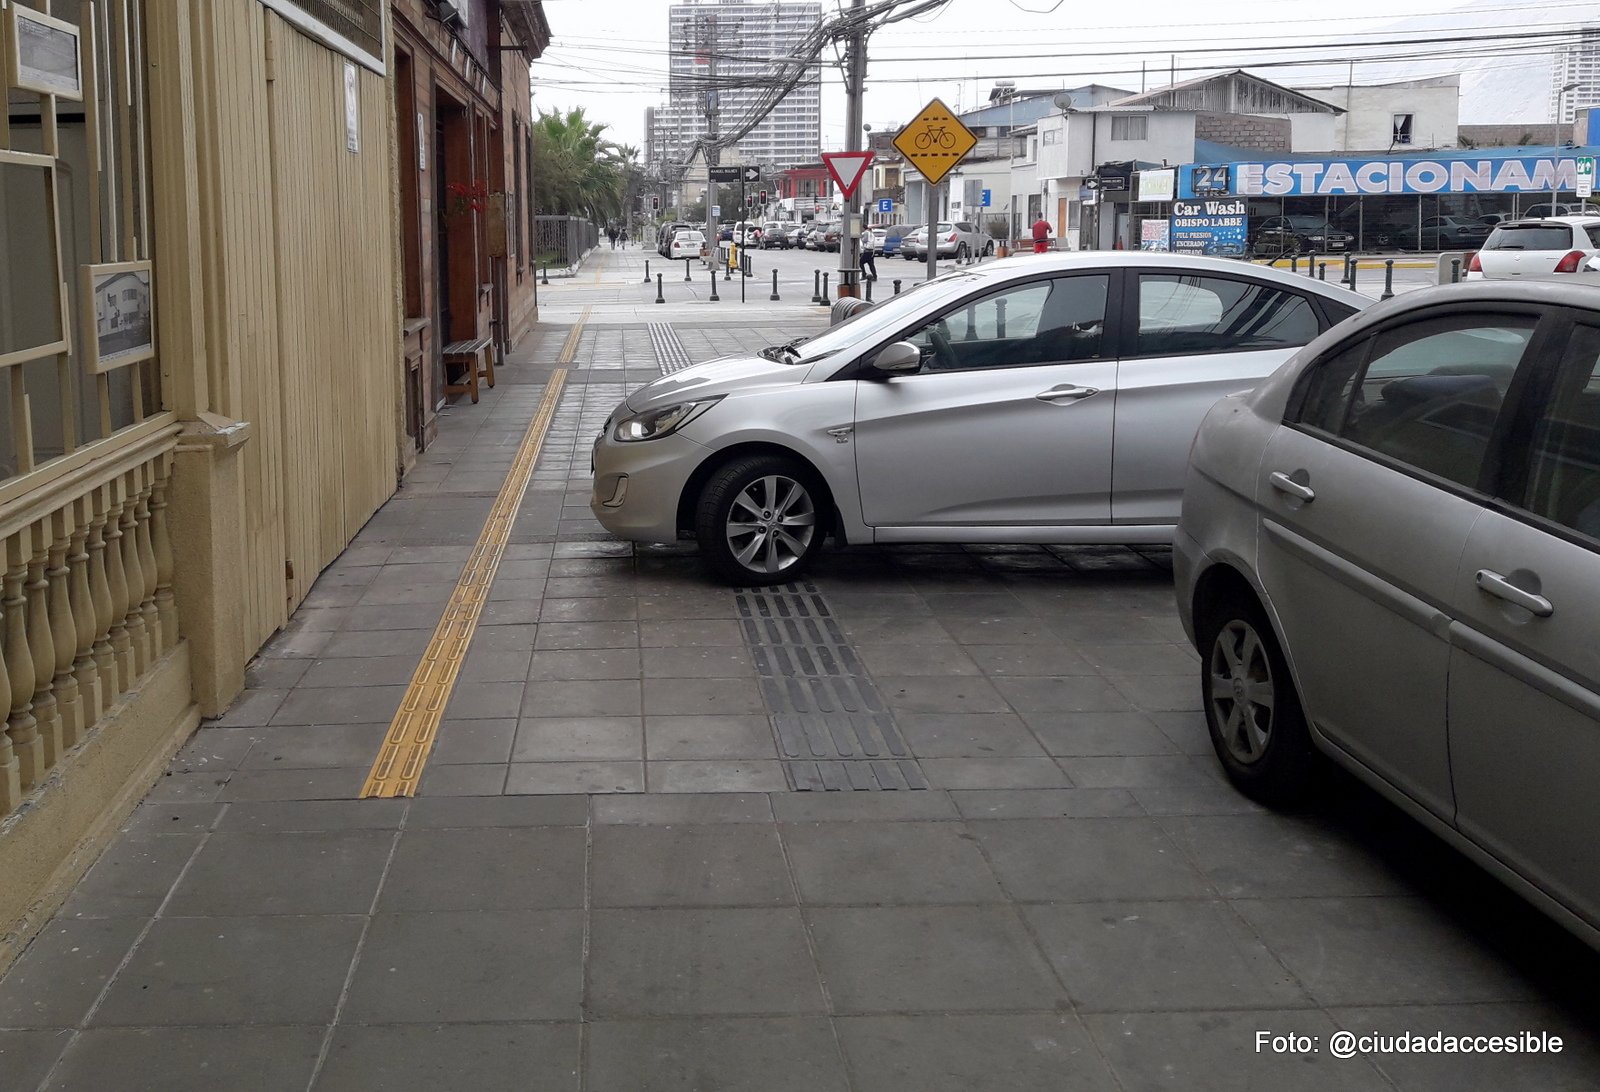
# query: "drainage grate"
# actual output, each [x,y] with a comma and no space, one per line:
[834,730]
[670,353]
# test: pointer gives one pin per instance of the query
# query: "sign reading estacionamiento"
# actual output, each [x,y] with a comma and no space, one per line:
[1378,177]
[935,141]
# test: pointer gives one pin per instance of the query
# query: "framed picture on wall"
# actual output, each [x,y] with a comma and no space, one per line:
[44,54]
[119,329]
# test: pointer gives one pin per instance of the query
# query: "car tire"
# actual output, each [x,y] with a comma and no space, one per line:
[1252,711]
[742,514]
[988,250]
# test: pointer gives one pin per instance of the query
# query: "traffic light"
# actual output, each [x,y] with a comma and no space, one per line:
[655,202]
[763,197]
[750,200]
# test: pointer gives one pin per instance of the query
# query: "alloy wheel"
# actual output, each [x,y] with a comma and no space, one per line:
[1242,693]
[771,524]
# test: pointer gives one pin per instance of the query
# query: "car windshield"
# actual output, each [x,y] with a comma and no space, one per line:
[1305,223]
[1530,237]
[874,321]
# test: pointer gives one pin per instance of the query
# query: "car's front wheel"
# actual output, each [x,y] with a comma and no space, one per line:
[1257,726]
[760,520]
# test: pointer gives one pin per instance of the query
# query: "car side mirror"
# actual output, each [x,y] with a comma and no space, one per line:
[901,358]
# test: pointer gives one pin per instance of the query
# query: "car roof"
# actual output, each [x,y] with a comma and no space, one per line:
[1539,221]
[1077,261]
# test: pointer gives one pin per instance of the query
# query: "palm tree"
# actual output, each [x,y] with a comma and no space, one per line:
[576,172]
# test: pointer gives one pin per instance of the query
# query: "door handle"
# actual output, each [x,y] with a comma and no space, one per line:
[1066,393]
[1285,484]
[1501,588]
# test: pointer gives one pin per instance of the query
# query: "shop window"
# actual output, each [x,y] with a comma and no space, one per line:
[1130,127]
[1402,129]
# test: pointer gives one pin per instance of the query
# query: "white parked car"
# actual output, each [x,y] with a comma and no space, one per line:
[1046,401]
[686,244]
[1537,248]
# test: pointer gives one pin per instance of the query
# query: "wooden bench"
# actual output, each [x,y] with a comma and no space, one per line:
[477,360]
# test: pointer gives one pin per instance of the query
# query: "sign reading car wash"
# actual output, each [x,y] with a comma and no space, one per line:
[1218,227]
[935,141]
[1377,177]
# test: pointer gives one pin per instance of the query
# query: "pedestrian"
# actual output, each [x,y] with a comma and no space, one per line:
[611,233]
[869,260]
[1041,236]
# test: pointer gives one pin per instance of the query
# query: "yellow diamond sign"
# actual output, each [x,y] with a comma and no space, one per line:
[935,141]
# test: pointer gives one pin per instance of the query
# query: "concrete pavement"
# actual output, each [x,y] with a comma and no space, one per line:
[658,846]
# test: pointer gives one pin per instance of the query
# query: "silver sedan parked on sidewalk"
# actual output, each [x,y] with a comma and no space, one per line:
[1049,400]
[1390,554]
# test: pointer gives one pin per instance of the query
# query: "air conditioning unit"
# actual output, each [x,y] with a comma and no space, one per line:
[453,13]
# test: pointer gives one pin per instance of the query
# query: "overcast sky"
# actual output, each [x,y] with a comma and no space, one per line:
[607,55]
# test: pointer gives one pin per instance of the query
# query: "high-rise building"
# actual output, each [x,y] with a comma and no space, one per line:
[731,44]
[1577,63]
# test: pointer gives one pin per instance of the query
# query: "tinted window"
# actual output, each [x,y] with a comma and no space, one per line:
[1564,471]
[1187,314]
[1426,394]
[1045,322]
[1593,231]
[1529,237]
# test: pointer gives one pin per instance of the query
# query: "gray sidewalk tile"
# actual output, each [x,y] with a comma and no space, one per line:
[485,701]
[872,863]
[267,817]
[839,807]
[445,779]
[1027,1052]
[554,636]
[310,747]
[482,1058]
[509,612]
[324,784]
[657,634]
[675,808]
[474,741]
[994,773]
[781,1054]
[870,630]
[683,865]
[611,608]
[1186,729]
[1034,659]
[469,967]
[968,735]
[1146,956]
[1094,734]
[1262,856]
[750,775]
[1134,771]
[1007,629]
[1216,1052]
[251,709]
[267,673]
[495,641]
[1045,803]
[935,694]
[709,737]
[672,962]
[307,872]
[1164,659]
[582,698]
[702,697]
[486,868]
[188,787]
[588,739]
[376,644]
[1215,797]
[594,663]
[1159,693]
[564,778]
[132,876]
[214,749]
[1088,860]
[274,970]
[896,658]
[27,1056]
[698,662]
[930,959]
[497,811]
[356,705]
[1381,951]
[239,1059]
[159,817]
[1067,694]
[63,970]
[395,670]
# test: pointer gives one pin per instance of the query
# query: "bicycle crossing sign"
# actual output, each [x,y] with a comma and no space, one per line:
[935,141]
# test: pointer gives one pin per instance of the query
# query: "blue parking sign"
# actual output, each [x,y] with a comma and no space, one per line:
[987,194]
[885,204]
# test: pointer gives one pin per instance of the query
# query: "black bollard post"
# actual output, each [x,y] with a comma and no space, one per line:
[897,286]
[774,285]
[869,291]
[659,297]
[1294,263]
[1311,265]
[647,271]
[544,271]
[825,296]
[1388,279]
[741,289]
[816,286]
[1455,270]
[1322,271]
[686,270]
[714,298]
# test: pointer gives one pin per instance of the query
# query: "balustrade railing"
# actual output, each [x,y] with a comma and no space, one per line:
[86,605]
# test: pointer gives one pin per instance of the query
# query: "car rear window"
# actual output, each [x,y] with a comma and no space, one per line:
[1530,237]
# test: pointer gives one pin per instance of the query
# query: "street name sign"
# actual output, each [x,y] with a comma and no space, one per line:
[724,174]
[716,211]
[935,141]
[847,169]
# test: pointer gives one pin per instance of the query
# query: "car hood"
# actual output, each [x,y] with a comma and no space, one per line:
[715,378]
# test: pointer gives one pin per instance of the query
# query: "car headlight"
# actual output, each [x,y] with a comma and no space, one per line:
[653,424]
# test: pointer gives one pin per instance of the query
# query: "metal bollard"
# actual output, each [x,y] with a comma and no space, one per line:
[741,289]
[544,271]
[714,298]
[1388,279]
[825,286]
[1455,270]
[647,271]
[1322,271]
[816,286]
[659,297]
[686,270]
[774,295]
[1311,265]
[869,291]
[1294,263]
[897,286]
[1348,277]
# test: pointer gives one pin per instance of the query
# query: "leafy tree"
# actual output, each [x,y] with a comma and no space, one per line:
[576,171]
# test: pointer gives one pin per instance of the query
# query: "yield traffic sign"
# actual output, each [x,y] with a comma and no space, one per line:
[847,169]
[935,141]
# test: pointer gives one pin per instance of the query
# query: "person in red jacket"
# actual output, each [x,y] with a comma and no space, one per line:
[1041,236]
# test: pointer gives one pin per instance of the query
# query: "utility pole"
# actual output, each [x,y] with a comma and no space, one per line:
[855,88]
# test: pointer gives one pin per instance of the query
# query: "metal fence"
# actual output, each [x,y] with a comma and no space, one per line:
[559,241]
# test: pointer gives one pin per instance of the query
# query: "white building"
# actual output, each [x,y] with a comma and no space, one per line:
[1578,63]
[1401,115]
[730,43]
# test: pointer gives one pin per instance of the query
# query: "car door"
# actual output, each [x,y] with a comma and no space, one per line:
[1009,421]
[1367,496]
[1525,661]
[1193,339]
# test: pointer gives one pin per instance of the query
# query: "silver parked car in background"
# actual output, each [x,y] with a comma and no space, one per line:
[1390,554]
[1052,400]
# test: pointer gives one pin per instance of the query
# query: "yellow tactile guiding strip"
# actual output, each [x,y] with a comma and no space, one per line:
[399,764]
